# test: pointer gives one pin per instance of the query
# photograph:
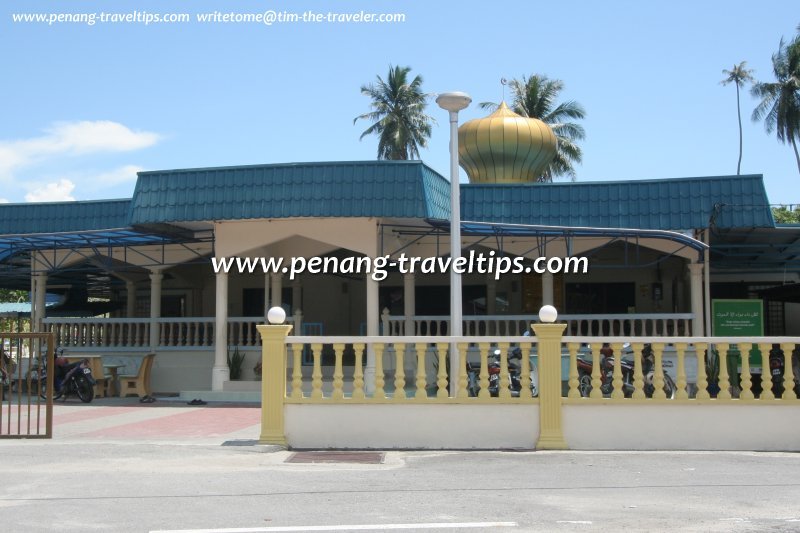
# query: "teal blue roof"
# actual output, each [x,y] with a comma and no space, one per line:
[59,217]
[669,204]
[399,189]
[396,189]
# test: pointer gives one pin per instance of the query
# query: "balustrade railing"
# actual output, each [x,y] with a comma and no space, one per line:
[592,368]
[640,324]
[182,332]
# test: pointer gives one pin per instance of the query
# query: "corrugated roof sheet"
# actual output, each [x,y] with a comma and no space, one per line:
[402,189]
[59,217]
[671,204]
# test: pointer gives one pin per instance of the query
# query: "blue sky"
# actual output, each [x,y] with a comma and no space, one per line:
[85,107]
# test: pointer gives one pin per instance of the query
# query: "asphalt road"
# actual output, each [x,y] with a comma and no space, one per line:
[140,487]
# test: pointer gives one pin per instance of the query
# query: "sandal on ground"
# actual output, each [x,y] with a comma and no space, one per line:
[197,401]
[147,399]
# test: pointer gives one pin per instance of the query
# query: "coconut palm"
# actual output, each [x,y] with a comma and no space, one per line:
[398,115]
[738,75]
[780,100]
[535,97]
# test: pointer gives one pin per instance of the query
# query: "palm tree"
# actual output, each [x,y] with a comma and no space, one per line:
[738,75]
[780,100]
[398,115]
[535,97]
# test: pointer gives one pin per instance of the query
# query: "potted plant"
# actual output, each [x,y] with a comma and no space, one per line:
[235,362]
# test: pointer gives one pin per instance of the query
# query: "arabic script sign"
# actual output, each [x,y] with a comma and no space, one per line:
[738,318]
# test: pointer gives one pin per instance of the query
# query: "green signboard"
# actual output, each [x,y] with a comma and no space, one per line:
[739,318]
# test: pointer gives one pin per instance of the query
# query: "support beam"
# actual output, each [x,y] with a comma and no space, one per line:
[41,293]
[266,294]
[373,315]
[155,307]
[297,299]
[548,297]
[696,288]
[409,305]
[221,373]
[277,289]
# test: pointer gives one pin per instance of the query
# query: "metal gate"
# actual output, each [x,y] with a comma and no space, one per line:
[26,396]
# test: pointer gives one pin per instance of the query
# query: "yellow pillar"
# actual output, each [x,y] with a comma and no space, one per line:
[273,382]
[551,435]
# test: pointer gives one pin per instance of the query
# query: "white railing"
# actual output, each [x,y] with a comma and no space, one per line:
[636,324]
[182,332]
[106,332]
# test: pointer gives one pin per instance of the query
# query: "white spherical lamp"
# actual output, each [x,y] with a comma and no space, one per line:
[276,316]
[548,314]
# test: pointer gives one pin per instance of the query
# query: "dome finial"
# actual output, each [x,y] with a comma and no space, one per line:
[505,147]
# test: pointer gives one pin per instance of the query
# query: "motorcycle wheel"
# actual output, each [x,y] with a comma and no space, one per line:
[84,389]
[43,391]
[473,388]
[585,385]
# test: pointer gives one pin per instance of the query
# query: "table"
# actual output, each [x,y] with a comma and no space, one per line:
[113,388]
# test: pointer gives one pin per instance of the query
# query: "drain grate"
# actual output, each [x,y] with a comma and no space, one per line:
[366,458]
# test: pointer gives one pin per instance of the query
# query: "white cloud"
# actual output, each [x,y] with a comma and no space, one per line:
[3,201]
[116,177]
[52,192]
[72,138]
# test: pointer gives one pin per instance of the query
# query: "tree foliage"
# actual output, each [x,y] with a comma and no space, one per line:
[537,96]
[398,115]
[780,100]
[784,215]
[738,75]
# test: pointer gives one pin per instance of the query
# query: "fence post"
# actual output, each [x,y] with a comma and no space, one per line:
[273,380]
[548,336]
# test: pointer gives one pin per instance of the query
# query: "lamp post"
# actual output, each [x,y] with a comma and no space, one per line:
[453,103]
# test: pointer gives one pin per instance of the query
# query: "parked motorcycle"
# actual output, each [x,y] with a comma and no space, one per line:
[514,374]
[6,367]
[585,367]
[70,378]
[777,369]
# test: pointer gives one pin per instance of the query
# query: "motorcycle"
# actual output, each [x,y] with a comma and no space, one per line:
[514,374]
[585,368]
[777,369]
[70,378]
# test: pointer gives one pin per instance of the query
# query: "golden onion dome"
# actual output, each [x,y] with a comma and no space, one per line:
[505,148]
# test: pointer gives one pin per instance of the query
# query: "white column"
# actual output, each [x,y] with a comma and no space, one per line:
[39,304]
[409,304]
[277,289]
[696,287]
[547,289]
[373,313]
[266,294]
[33,298]
[221,373]
[491,295]
[297,297]
[155,307]
[130,301]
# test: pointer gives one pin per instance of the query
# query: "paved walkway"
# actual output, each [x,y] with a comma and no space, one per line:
[167,420]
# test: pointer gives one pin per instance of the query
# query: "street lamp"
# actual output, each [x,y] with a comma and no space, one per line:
[453,103]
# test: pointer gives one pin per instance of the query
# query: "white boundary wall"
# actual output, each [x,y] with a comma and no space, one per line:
[682,427]
[387,426]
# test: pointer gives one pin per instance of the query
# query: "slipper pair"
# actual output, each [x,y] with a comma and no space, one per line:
[196,401]
[147,399]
